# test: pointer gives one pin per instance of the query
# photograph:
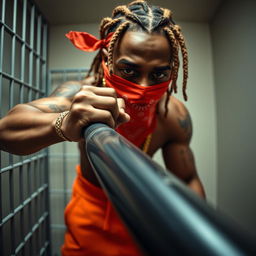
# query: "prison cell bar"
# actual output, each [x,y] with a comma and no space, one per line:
[161,213]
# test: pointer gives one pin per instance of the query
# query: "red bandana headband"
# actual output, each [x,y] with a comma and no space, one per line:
[87,42]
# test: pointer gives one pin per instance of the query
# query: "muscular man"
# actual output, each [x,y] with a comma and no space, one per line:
[129,88]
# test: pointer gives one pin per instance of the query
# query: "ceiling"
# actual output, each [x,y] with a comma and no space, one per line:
[63,12]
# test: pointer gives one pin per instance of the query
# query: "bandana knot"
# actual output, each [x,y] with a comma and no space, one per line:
[87,42]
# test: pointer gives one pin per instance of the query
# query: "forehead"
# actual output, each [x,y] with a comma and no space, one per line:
[150,46]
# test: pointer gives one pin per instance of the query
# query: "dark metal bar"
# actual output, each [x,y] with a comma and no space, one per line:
[162,214]
[43,63]
[38,48]
[17,80]
[24,203]
[30,234]
[47,201]
[19,39]
[11,93]
[1,97]
[21,199]
[29,216]
[31,43]
[69,70]
[30,208]
[23,50]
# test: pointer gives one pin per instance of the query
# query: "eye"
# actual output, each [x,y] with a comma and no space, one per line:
[158,75]
[128,71]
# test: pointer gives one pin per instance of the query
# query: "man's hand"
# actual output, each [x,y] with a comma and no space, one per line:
[90,105]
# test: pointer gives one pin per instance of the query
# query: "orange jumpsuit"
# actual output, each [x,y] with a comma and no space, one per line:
[93,226]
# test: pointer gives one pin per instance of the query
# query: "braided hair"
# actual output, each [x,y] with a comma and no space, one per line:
[139,16]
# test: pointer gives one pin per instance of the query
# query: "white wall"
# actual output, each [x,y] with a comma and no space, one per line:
[201,102]
[62,53]
[234,37]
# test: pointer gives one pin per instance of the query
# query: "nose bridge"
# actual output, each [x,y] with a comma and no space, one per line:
[144,80]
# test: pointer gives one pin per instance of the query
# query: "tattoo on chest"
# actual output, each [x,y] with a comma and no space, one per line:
[186,125]
[66,90]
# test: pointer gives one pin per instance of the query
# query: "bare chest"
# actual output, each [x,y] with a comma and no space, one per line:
[159,138]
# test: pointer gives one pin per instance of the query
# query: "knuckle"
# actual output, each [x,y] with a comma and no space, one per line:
[79,110]
[112,101]
[112,92]
[87,87]
[121,102]
[108,115]
[82,96]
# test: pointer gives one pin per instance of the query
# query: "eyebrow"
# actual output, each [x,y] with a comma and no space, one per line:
[163,68]
[129,63]
[134,65]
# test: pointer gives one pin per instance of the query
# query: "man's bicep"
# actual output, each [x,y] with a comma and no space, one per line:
[179,159]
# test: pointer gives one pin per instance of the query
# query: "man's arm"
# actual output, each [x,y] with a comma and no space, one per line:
[30,127]
[177,154]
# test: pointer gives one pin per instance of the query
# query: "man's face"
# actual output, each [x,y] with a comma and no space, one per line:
[143,58]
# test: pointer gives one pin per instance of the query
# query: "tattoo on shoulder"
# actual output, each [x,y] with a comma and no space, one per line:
[66,90]
[186,124]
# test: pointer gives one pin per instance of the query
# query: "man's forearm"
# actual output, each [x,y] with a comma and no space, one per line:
[197,187]
[26,130]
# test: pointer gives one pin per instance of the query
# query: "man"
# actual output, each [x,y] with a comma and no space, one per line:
[133,76]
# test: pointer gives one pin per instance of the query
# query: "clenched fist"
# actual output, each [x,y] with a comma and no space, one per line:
[90,105]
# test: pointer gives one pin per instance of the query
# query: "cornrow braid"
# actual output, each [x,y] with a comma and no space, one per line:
[175,66]
[106,26]
[114,38]
[175,56]
[103,23]
[167,14]
[123,10]
[136,2]
[180,38]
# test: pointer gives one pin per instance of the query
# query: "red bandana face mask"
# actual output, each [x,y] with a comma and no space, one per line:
[140,104]
[140,101]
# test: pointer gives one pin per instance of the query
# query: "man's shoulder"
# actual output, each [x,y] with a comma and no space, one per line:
[176,120]
[174,108]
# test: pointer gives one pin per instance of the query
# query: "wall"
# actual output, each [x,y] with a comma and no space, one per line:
[234,37]
[200,89]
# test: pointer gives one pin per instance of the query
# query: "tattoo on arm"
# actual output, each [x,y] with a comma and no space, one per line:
[187,157]
[56,108]
[186,125]
[49,107]
[66,90]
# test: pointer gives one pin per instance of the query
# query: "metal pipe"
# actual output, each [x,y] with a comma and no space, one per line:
[163,215]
